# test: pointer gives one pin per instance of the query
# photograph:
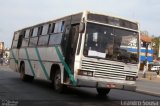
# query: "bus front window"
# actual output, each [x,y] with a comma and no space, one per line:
[111,43]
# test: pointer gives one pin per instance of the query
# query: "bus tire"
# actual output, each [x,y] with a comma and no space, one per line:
[23,76]
[22,72]
[103,91]
[56,81]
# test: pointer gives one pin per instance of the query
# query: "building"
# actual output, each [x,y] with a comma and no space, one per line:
[146,49]
[1,49]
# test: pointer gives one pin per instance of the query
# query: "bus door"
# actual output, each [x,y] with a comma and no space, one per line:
[71,46]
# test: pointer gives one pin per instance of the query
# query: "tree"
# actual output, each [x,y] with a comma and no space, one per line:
[155,45]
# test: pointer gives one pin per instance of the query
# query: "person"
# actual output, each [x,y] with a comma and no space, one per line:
[109,51]
[145,69]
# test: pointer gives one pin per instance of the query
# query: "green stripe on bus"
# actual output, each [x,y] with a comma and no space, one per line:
[16,61]
[42,65]
[29,62]
[66,66]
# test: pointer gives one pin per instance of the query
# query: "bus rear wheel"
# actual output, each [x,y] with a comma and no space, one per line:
[103,91]
[22,72]
[23,76]
[56,81]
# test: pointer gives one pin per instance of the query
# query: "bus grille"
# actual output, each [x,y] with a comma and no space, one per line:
[105,70]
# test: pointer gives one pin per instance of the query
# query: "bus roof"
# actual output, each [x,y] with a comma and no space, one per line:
[86,11]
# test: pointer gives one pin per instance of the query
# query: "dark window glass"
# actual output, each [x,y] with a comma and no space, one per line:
[22,35]
[51,28]
[111,43]
[31,33]
[59,27]
[40,30]
[33,41]
[62,26]
[112,21]
[55,39]
[99,18]
[43,40]
[127,24]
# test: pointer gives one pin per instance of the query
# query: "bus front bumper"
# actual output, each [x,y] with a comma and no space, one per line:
[106,84]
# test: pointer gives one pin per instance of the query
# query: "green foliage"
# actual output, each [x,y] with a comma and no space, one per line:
[155,45]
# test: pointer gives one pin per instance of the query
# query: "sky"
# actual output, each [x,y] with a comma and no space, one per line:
[18,14]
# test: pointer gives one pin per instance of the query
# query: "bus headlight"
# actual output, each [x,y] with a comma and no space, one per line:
[85,73]
[130,78]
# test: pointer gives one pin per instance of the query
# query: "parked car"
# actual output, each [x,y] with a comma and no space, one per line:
[156,68]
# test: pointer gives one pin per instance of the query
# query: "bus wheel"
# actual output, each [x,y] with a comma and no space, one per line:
[57,82]
[22,72]
[23,76]
[103,91]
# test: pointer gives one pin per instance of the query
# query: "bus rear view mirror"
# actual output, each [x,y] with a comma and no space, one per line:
[81,27]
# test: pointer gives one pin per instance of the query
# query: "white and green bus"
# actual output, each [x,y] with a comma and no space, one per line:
[86,49]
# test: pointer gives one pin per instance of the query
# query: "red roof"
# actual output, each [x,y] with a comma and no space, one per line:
[145,38]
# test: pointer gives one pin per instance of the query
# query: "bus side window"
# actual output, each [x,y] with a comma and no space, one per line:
[45,29]
[55,39]
[33,37]
[27,33]
[25,40]
[51,28]
[43,38]
[39,32]
[31,33]
[15,40]
[35,32]
[59,27]
[21,36]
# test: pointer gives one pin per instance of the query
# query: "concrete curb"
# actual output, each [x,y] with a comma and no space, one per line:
[148,92]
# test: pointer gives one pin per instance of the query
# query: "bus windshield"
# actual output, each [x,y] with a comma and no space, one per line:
[111,43]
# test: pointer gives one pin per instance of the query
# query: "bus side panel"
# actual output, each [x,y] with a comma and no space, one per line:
[13,65]
[41,64]
[25,56]
[28,70]
[48,57]
[14,59]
